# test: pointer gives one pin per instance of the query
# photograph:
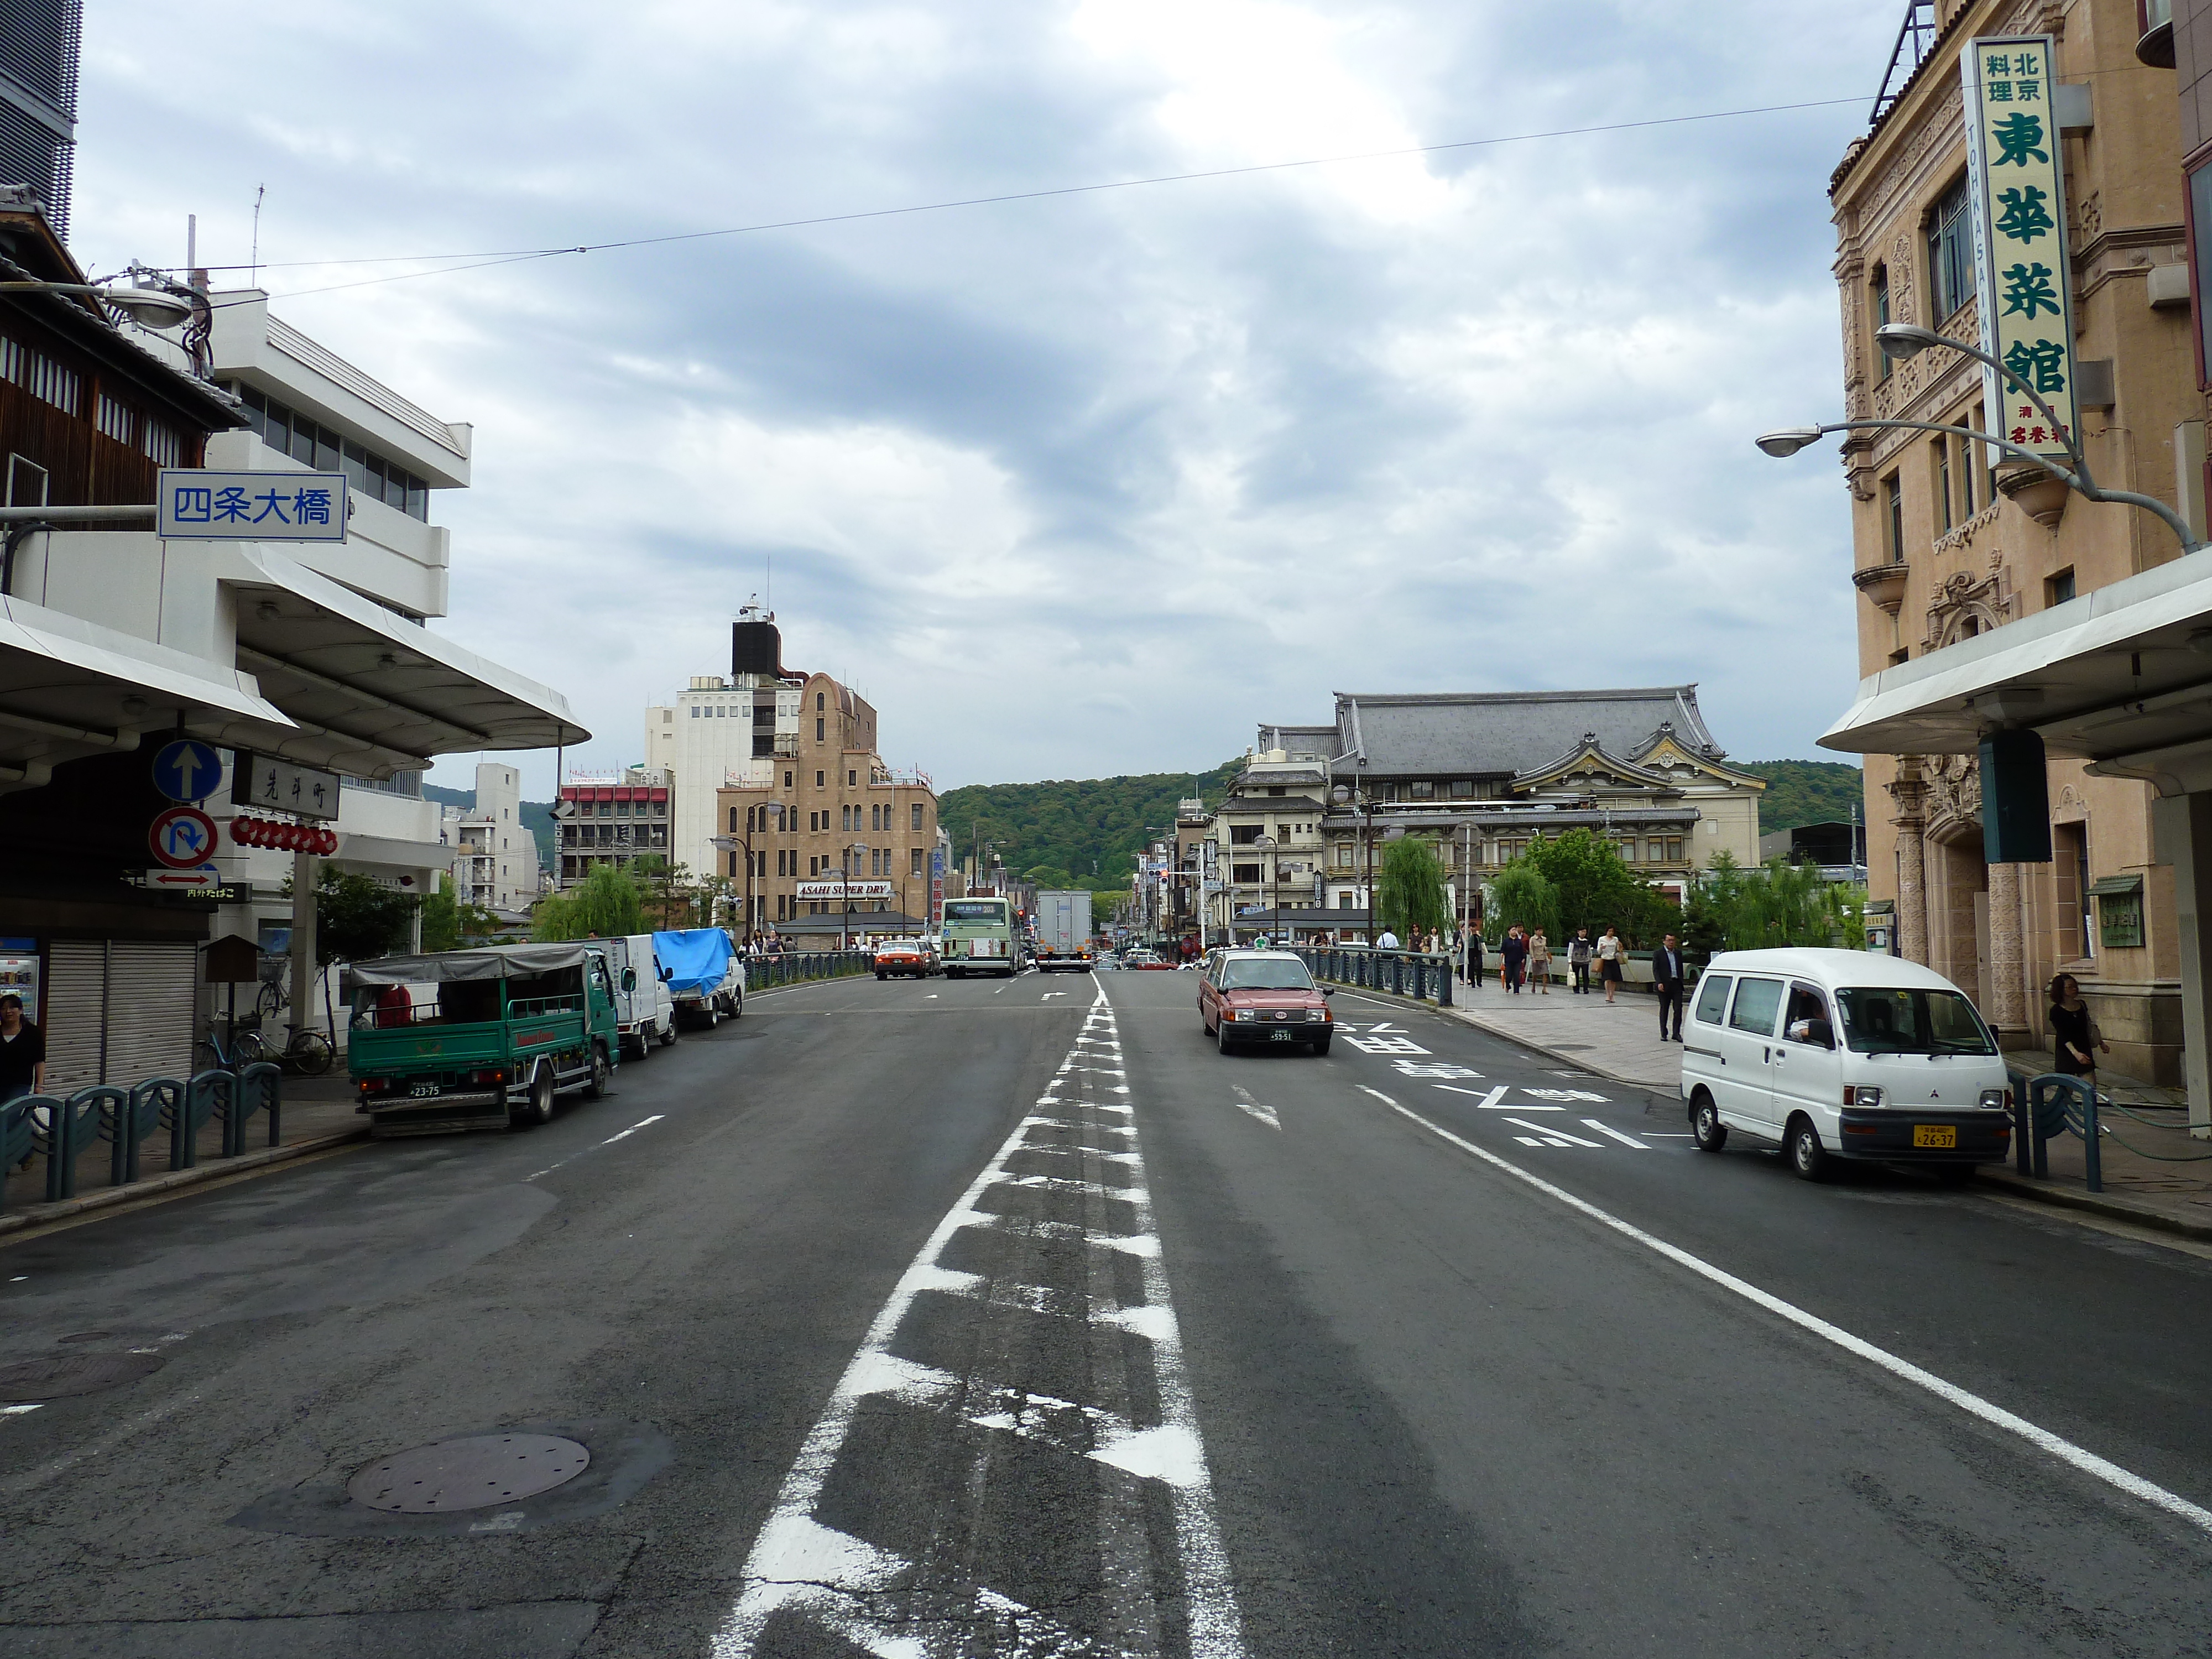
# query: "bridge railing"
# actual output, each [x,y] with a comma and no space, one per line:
[1411,974]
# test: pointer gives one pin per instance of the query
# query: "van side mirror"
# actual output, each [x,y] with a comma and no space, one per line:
[629,979]
[1329,990]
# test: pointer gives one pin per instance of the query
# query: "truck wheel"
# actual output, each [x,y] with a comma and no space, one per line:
[737,1004]
[1808,1158]
[667,1033]
[601,1075]
[540,1109]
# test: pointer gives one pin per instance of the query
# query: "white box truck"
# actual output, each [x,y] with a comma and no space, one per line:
[647,1009]
[1063,930]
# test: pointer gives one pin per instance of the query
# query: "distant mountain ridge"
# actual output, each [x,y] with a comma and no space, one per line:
[1807,792]
[1075,833]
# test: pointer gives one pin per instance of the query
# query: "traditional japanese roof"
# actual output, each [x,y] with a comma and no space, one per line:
[1588,758]
[1503,734]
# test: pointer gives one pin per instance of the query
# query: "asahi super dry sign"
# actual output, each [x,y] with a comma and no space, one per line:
[2015,177]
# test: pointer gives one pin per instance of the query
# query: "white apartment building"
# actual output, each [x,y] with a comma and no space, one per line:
[720,730]
[495,856]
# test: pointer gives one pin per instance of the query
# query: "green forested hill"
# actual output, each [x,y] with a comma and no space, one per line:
[1073,834]
[1806,792]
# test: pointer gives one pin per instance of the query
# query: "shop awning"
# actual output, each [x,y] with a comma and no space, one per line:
[388,691]
[2121,677]
[69,688]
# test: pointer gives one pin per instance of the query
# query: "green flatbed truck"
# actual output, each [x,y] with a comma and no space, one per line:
[480,1039]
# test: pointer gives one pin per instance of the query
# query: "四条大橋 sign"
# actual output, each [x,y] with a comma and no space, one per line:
[2020,270]
[251,506]
[835,890]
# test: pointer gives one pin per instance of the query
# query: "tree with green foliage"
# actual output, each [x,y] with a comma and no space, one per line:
[450,925]
[1776,904]
[1807,791]
[1409,888]
[358,918]
[1522,896]
[1092,829]
[605,904]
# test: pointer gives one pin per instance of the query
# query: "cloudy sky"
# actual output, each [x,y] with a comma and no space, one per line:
[1082,485]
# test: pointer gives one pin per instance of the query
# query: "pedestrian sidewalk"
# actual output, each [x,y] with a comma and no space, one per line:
[1620,1043]
[318,1112]
[2156,1173]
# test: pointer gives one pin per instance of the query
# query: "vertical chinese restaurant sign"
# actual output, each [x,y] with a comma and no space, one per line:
[2021,257]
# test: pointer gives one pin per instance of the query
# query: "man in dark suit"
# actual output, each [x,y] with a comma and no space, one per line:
[1667,980]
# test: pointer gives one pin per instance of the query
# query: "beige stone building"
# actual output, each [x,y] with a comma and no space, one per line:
[842,810]
[1945,550]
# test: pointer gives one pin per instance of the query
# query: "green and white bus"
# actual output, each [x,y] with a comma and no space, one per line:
[979,938]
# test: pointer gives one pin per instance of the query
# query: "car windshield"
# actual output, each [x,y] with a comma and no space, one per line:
[1892,1021]
[975,910]
[1266,974]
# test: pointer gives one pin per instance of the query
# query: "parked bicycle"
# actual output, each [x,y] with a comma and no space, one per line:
[245,1048]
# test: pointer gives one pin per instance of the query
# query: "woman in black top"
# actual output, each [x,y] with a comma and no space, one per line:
[2074,1031]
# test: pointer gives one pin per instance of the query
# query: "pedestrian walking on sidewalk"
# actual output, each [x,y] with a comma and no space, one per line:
[1474,958]
[22,1060]
[1539,962]
[2074,1031]
[1610,952]
[1579,961]
[1513,955]
[1667,980]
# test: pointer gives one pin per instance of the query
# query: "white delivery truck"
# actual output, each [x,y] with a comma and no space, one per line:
[1063,930]
[647,1008]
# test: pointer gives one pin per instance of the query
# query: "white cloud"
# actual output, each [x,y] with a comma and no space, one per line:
[1081,485]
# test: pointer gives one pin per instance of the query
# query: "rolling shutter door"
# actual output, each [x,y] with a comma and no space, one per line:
[141,991]
[76,974]
[149,1010]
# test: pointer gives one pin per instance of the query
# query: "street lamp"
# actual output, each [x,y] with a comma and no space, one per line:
[1267,845]
[162,308]
[773,809]
[1909,339]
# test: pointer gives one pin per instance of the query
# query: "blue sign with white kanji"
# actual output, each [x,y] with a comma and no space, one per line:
[198,504]
[187,771]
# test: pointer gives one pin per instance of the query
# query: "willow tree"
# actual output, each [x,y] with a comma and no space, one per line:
[605,904]
[1409,888]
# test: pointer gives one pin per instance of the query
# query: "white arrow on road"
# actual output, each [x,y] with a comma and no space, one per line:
[1265,1114]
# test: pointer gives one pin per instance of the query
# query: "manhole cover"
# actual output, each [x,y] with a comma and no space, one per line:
[58,1376]
[469,1475]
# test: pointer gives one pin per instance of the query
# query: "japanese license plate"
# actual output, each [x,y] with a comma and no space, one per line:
[1942,1137]
[1280,1035]
[424,1091]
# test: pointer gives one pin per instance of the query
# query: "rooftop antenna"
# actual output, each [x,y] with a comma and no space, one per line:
[253,266]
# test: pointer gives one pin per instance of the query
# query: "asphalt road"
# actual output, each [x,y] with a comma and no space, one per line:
[998,1319]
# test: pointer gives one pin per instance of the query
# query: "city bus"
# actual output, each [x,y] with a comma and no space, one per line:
[979,938]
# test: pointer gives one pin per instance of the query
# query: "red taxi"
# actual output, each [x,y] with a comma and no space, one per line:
[1255,997]
[905,956]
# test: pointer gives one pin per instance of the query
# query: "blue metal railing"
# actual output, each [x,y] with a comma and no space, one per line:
[61,1129]
[2046,1107]
[1399,973]
[790,967]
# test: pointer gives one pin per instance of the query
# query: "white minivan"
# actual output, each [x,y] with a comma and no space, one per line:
[1843,1054]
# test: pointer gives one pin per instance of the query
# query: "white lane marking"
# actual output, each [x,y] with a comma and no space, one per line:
[931,997]
[1492,1102]
[1383,1045]
[799,1564]
[1387,1025]
[1626,1140]
[1559,1137]
[1439,1068]
[1567,1094]
[1265,1114]
[1972,1404]
[17,1411]
[1049,996]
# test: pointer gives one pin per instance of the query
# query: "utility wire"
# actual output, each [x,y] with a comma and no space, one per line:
[477,261]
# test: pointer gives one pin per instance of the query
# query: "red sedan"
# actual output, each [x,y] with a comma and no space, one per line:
[1255,997]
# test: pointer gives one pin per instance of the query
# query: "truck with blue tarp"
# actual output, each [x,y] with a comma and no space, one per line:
[477,1039]
[704,972]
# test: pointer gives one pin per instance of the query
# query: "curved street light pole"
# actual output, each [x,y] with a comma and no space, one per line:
[1904,340]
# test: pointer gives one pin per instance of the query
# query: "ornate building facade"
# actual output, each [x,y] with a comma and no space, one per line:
[1947,549]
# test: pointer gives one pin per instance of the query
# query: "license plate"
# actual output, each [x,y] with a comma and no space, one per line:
[424,1091]
[1941,1136]
[1280,1036]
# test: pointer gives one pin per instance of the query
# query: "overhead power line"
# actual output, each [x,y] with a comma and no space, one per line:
[477,261]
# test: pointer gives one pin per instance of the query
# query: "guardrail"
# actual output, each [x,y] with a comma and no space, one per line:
[1401,973]
[61,1129]
[792,967]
